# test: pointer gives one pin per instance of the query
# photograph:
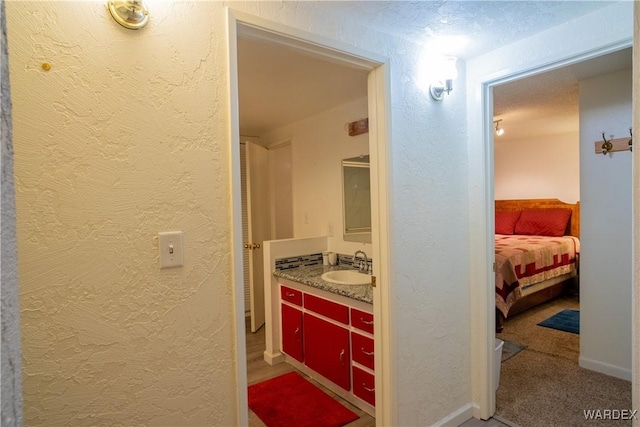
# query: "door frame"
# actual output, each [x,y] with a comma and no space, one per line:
[378,92]
[255,254]
[482,216]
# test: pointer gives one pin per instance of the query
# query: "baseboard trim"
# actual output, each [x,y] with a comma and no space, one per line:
[456,418]
[273,359]
[475,411]
[605,368]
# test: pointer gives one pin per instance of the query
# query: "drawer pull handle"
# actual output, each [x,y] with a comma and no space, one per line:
[366,322]
[366,353]
[342,357]
[296,333]
[370,390]
[289,294]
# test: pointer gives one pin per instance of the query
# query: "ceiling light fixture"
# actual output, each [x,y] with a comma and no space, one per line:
[132,14]
[499,130]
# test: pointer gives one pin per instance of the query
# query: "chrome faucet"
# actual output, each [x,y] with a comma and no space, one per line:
[363,263]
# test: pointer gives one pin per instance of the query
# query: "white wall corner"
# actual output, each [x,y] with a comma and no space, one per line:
[458,417]
[273,358]
[605,368]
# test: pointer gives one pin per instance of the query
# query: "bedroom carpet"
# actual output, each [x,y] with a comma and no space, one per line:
[543,384]
[567,320]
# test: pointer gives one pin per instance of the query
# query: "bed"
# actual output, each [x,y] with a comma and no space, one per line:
[537,253]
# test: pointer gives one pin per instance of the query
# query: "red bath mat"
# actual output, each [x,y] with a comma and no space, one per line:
[290,400]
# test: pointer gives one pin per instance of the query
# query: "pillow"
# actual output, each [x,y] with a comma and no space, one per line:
[506,221]
[543,222]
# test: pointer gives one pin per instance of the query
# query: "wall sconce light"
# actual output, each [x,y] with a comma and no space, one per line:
[442,84]
[132,14]
[437,90]
[499,130]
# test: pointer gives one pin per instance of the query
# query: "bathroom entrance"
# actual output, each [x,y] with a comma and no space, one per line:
[313,172]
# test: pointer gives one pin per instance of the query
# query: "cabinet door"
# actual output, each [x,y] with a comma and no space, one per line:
[292,332]
[326,350]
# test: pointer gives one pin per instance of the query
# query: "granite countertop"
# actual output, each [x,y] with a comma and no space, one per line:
[311,275]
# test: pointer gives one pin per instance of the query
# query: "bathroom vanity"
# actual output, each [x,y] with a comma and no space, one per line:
[327,333]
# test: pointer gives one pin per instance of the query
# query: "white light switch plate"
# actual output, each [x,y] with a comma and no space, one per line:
[171,250]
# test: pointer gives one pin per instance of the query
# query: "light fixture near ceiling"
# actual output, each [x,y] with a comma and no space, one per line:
[437,90]
[131,14]
[499,130]
[445,72]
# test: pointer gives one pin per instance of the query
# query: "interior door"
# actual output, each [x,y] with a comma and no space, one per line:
[258,226]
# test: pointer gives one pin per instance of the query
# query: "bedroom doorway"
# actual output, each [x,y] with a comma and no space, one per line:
[377,94]
[594,91]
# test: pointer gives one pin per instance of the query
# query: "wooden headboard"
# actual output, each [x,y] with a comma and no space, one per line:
[573,228]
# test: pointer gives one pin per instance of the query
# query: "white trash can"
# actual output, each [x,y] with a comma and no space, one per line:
[497,362]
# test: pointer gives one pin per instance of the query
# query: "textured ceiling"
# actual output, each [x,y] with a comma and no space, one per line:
[547,103]
[280,85]
[487,24]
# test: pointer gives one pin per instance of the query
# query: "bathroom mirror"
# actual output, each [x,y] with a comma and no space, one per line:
[356,198]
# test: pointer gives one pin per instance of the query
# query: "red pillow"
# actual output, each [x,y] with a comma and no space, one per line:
[506,221]
[543,222]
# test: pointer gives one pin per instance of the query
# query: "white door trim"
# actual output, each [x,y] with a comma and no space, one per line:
[482,215]
[379,130]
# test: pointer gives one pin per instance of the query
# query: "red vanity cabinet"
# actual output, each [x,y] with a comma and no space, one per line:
[290,295]
[364,385]
[291,320]
[328,338]
[362,320]
[362,350]
[326,349]
[292,343]
[330,309]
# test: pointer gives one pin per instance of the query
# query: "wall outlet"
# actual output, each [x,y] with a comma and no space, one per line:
[330,229]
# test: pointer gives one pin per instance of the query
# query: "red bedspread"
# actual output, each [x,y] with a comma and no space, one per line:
[525,260]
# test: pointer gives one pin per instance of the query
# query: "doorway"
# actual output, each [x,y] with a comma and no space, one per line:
[377,94]
[482,239]
[547,152]
[256,226]
[267,214]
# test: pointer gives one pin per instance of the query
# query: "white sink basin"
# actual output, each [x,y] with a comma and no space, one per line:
[347,277]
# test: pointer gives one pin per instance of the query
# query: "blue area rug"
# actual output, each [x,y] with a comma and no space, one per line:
[567,320]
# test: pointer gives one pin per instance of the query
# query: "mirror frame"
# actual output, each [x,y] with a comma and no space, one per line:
[354,236]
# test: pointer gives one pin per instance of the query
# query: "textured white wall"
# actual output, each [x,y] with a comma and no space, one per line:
[605,227]
[538,168]
[281,165]
[127,135]
[124,137]
[319,143]
[430,235]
